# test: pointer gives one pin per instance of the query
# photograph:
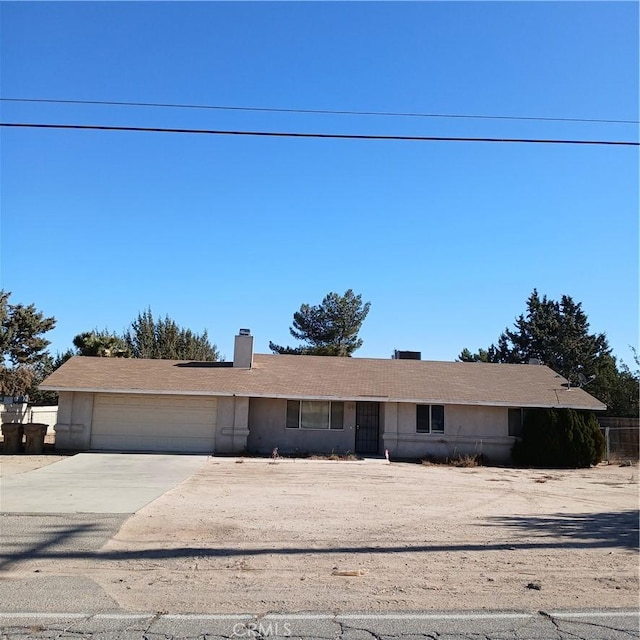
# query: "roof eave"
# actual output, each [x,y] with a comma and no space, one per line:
[361,398]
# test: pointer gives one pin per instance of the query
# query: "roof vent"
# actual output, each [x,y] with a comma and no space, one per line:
[534,361]
[407,355]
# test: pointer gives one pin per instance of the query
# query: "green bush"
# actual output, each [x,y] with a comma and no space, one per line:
[559,438]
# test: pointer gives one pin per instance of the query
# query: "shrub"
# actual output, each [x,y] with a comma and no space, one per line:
[465,460]
[559,438]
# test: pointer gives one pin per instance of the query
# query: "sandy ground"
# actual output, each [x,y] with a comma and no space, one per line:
[257,536]
[20,463]
[10,465]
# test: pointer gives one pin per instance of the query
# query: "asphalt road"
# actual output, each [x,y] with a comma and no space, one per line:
[41,604]
[592,625]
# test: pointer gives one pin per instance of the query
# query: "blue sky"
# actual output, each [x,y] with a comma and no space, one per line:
[445,239]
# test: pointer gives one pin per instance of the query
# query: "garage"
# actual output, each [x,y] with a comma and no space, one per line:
[136,422]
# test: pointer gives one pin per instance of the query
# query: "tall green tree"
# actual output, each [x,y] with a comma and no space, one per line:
[45,368]
[481,355]
[101,343]
[163,338]
[617,386]
[23,353]
[557,334]
[328,329]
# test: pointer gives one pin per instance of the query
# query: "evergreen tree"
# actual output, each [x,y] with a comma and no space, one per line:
[44,369]
[481,356]
[557,334]
[101,343]
[328,329]
[559,438]
[22,346]
[163,338]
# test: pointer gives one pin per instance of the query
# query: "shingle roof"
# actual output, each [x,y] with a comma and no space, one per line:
[317,377]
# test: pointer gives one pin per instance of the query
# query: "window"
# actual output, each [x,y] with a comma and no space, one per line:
[314,414]
[337,415]
[293,414]
[515,422]
[430,418]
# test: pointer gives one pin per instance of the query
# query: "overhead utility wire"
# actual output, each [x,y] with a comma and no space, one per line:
[316,111]
[338,136]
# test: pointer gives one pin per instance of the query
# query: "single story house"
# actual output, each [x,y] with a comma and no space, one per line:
[319,404]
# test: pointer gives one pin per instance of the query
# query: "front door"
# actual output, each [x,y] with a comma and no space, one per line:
[367,427]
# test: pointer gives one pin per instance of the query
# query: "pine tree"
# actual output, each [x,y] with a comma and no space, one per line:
[163,338]
[557,334]
[101,343]
[22,346]
[328,329]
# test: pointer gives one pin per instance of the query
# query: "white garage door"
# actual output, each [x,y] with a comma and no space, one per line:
[127,422]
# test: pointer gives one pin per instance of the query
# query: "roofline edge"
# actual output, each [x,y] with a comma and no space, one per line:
[227,394]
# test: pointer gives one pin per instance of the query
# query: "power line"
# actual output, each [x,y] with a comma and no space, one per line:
[336,136]
[316,111]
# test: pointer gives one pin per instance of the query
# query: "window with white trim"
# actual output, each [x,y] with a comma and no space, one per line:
[430,418]
[315,414]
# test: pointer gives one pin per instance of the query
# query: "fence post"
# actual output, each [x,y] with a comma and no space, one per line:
[608,442]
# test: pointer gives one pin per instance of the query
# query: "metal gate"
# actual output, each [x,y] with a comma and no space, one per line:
[367,427]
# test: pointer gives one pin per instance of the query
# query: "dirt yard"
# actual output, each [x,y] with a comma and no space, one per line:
[255,536]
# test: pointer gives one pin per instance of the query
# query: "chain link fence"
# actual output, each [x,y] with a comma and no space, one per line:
[622,438]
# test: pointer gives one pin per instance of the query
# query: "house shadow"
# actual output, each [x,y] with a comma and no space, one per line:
[615,529]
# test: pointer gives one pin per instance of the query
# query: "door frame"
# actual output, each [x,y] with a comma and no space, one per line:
[367,443]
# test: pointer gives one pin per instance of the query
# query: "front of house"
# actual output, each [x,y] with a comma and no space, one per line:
[303,404]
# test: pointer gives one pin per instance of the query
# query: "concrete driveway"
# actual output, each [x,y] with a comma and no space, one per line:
[96,483]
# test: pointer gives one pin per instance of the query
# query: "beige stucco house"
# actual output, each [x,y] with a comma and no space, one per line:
[411,408]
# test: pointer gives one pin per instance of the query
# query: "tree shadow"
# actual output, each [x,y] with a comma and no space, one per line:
[598,530]
[25,537]
[52,543]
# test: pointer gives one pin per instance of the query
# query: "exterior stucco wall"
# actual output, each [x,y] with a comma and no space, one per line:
[45,415]
[232,425]
[267,430]
[75,415]
[467,430]
[259,424]
[476,421]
